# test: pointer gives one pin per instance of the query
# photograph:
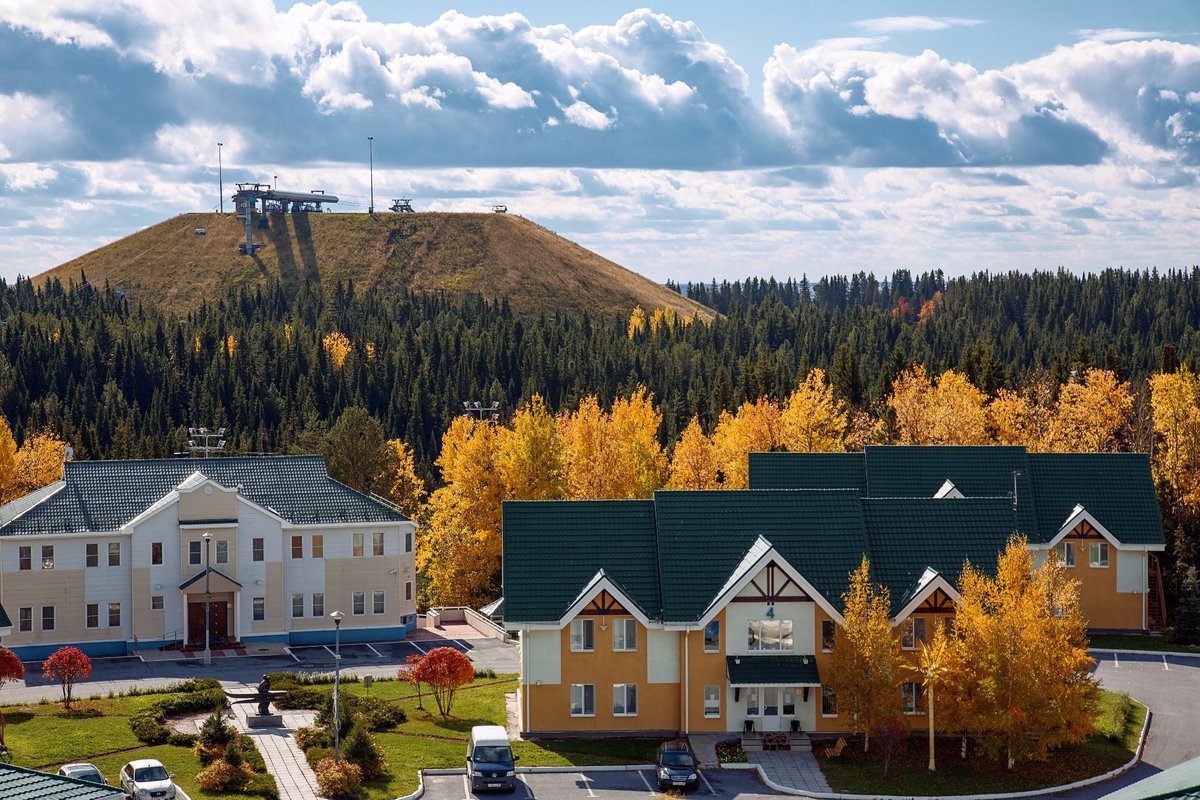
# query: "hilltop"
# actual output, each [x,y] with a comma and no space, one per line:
[497,255]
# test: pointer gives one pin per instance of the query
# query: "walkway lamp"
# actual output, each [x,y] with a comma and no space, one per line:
[337,681]
[207,601]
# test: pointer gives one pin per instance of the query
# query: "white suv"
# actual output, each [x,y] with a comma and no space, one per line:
[147,779]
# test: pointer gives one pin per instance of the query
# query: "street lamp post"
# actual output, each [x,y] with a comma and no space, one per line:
[220,177]
[371,152]
[337,680]
[207,601]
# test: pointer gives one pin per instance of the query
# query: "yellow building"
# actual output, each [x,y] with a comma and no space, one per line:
[715,611]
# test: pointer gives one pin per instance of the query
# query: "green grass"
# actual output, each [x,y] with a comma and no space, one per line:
[859,773]
[43,736]
[1134,641]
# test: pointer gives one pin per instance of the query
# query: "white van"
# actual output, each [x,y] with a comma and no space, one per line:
[490,760]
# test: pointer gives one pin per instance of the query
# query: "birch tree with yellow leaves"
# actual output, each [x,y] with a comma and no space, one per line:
[948,411]
[813,420]
[531,454]
[694,462]
[1175,401]
[1091,415]
[613,455]
[754,429]
[37,463]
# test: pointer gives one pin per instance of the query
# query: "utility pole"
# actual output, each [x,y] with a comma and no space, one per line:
[371,153]
[220,177]
[205,442]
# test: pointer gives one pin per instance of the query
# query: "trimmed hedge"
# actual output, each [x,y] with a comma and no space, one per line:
[188,697]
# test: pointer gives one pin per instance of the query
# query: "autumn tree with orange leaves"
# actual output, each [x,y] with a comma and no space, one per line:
[694,462]
[444,670]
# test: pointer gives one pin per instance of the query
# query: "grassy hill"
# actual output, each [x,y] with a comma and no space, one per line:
[498,255]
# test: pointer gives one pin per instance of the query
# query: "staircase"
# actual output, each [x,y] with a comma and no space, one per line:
[757,742]
[1156,601]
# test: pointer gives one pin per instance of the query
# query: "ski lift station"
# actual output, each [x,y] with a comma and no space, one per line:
[272,201]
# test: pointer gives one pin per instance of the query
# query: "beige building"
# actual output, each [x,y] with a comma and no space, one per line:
[122,555]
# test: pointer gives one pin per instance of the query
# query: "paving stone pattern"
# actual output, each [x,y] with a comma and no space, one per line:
[285,761]
[794,768]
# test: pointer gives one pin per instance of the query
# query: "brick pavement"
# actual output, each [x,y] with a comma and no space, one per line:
[285,761]
[797,769]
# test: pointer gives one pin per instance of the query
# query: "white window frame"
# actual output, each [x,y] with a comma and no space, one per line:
[1096,548]
[583,630]
[53,618]
[358,604]
[910,698]
[828,696]
[408,590]
[258,609]
[625,630]
[755,708]
[48,557]
[909,635]
[111,608]
[91,555]
[627,692]
[581,693]
[832,626]
[195,553]
[318,604]
[297,605]
[25,619]
[91,616]
[716,627]
[296,547]
[317,546]
[258,549]
[712,695]
[222,545]
[755,630]
[356,546]
[157,602]
[156,553]
[114,549]
[1066,553]
[378,602]
[408,541]
[377,544]
[25,558]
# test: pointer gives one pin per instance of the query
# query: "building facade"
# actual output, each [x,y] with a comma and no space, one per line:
[123,555]
[716,611]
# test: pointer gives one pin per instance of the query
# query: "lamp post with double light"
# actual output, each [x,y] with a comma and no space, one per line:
[337,617]
[207,600]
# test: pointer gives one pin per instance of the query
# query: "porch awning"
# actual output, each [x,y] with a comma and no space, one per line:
[219,582]
[784,671]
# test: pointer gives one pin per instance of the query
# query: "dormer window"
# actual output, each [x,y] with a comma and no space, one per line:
[948,491]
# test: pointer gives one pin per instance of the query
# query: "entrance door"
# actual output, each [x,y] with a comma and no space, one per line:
[218,629]
[771,699]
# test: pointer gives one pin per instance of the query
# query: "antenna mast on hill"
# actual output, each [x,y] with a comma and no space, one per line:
[203,442]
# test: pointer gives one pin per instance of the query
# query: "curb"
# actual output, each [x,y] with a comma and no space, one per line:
[1119,651]
[1066,787]
[420,788]
[545,770]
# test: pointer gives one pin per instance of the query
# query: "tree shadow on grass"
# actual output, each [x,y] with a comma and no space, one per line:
[79,712]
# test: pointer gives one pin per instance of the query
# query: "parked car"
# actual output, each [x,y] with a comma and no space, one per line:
[675,766]
[490,760]
[82,772]
[147,778]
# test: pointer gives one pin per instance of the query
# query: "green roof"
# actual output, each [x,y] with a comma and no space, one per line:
[1181,782]
[814,471]
[554,548]
[104,495]
[772,670]
[702,537]
[19,783]
[5,621]
[1115,488]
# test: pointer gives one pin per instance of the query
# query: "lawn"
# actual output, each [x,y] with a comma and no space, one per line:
[426,740]
[1134,641]
[859,773]
[43,736]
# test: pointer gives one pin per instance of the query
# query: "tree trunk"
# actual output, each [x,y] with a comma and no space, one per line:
[964,747]
[866,741]
[932,759]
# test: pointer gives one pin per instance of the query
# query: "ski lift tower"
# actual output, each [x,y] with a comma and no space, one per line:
[402,206]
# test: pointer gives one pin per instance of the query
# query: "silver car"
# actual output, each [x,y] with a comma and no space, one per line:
[82,772]
[147,779]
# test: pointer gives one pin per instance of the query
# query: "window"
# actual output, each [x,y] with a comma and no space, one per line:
[297,547]
[318,545]
[789,702]
[156,602]
[194,552]
[1066,553]
[753,702]
[47,618]
[377,544]
[25,556]
[256,549]
[297,605]
[377,602]
[114,554]
[1097,556]
[624,635]
[408,541]
[583,635]
[360,604]
[770,634]
[828,703]
[260,609]
[91,617]
[910,697]
[114,615]
[583,700]
[828,632]
[92,555]
[47,556]
[318,604]
[25,619]
[358,546]
[408,590]
[222,551]
[712,701]
[624,699]
[712,637]
[156,552]
[912,632]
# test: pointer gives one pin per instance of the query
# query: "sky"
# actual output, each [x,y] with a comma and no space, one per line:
[685,140]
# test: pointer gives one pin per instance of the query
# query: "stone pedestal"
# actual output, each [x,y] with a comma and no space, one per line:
[264,721]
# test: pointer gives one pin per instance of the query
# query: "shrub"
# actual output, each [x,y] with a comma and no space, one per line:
[183,739]
[315,755]
[1121,712]
[188,697]
[376,714]
[147,728]
[360,748]
[221,776]
[307,738]
[250,754]
[303,697]
[485,672]
[215,730]
[262,785]
[338,780]
[233,755]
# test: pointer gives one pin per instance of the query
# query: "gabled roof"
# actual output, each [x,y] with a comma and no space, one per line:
[19,783]
[102,496]
[814,471]
[1115,488]
[207,571]
[554,548]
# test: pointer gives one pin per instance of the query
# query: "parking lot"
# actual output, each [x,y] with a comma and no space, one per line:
[365,655]
[602,785]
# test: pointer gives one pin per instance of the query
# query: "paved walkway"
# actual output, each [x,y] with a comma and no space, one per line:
[285,761]
[795,768]
[704,745]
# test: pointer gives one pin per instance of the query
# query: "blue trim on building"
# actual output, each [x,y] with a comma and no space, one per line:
[39,652]
[267,637]
[350,635]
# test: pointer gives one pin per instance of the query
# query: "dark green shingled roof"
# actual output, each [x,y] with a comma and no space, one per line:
[907,536]
[806,471]
[1180,782]
[5,622]
[767,670]
[18,783]
[104,495]
[554,548]
[1116,488]
[702,537]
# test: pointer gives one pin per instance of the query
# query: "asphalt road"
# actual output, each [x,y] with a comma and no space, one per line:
[594,785]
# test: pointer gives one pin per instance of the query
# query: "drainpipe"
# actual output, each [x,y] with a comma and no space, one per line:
[525,673]
[687,674]
[1145,586]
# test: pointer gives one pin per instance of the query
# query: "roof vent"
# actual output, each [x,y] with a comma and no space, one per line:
[948,490]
